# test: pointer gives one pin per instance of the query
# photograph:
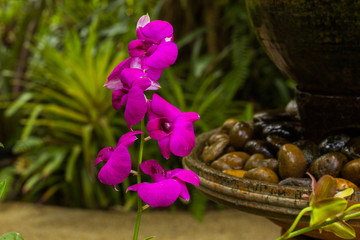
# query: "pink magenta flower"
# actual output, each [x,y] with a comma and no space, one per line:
[155,43]
[118,161]
[167,186]
[172,129]
[129,86]
[153,51]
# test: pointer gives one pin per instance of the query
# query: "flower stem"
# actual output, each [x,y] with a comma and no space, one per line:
[138,177]
[296,221]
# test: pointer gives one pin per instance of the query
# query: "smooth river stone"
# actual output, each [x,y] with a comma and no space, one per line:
[333,143]
[240,133]
[228,125]
[351,171]
[235,160]
[260,146]
[213,151]
[292,162]
[270,163]
[262,174]
[329,163]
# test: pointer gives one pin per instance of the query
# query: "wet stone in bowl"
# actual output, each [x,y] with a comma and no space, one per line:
[329,163]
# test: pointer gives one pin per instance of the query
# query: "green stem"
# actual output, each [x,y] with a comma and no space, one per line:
[296,221]
[138,177]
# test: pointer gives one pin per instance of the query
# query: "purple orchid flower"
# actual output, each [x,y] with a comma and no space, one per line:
[129,86]
[118,161]
[155,42]
[167,186]
[153,51]
[172,129]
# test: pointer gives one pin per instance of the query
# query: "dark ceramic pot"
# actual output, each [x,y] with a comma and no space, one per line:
[280,204]
[317,44]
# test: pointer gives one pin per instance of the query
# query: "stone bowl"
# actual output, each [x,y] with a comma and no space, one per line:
[279,203]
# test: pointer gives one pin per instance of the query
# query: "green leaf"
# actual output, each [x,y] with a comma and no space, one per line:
[30,123]
[326,209]
[150,237]
[55,163]
[2,187]
[70,166]
[11,236]
[18,104]
[341,229]
[1,145]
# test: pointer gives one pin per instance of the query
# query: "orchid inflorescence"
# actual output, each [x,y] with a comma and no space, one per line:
[152,51]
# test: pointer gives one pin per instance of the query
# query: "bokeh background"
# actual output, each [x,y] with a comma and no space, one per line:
[55,114]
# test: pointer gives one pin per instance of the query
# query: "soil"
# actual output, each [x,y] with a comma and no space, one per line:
[38,222]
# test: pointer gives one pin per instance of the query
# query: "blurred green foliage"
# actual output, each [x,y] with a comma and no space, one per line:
[55,114]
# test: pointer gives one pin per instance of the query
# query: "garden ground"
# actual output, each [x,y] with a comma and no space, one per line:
[39,222]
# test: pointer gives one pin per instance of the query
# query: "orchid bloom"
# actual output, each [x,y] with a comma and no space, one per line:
[155,43]
[327,204]
[167,186]
[118,161]
[153,50]
[172,129]
[129,86]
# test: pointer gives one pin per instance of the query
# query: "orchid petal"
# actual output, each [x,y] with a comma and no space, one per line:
[156,30]
[114,84]
[184,175]
[155,129]
[153,73]
[161,108]
[164,56]
[160,194]
[341,229]
[151,167]
[164,147]
[129,138]
[345,193]
[182,142]
[104,155]
[325,188]
[136,107]
[145,19]
[136,48]
[154,86]
[143,83]
[117,168]
[134,187]
[129,75]
[154,170]
[187,117]
[136,62]
[184,193]
[119,98]
[115,74]
[326,208]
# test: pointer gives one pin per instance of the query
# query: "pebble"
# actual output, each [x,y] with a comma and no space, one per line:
[292,162]
[262,174]
[329,163]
